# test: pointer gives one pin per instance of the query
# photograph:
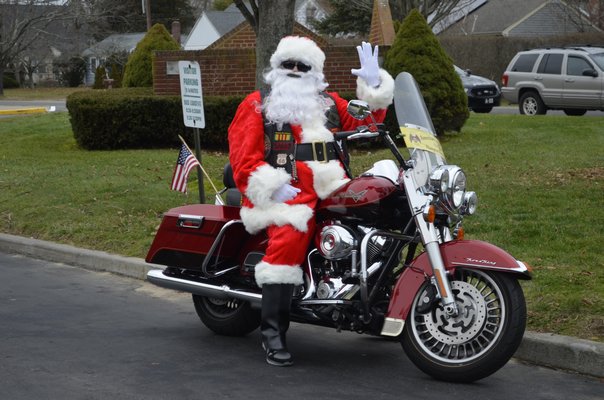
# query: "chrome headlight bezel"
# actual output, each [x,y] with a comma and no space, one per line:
[449,183]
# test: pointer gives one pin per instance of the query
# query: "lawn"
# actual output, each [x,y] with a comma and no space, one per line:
[539,182]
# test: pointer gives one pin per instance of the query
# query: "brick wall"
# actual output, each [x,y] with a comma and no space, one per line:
[228,67]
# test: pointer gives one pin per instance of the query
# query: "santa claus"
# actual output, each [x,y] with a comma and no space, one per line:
[285,159]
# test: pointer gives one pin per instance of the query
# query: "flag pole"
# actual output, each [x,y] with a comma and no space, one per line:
[200,166]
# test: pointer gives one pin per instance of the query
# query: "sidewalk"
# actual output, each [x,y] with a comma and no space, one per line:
[555,351]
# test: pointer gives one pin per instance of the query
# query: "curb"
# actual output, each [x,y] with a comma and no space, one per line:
[545,349]
[29,110]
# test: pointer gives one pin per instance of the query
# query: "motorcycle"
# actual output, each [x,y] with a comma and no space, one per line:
[388,258]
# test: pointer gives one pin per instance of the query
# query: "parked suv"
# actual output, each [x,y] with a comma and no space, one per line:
[483,94]
[569,79]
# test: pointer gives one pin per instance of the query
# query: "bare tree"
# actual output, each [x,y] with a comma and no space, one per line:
[434,11]
[271,20]
[22,24]
[582,14]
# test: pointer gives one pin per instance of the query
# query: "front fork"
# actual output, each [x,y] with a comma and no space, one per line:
[430,240]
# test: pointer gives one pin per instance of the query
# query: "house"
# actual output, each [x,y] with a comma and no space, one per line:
[117,44]
[98,54]
[212,25]
[520,18]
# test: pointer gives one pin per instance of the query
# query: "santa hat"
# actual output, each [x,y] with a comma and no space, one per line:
[299,49]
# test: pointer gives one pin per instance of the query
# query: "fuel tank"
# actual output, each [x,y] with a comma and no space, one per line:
[367,200]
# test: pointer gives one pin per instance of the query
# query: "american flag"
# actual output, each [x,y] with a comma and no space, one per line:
[185,163]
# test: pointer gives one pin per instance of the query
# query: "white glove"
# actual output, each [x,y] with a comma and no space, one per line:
[284,193]
[370,69]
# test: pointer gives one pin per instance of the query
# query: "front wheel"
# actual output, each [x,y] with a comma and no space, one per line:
[476,343]
[228,317]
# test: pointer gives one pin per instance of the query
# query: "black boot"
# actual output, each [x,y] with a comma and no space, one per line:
[276,303]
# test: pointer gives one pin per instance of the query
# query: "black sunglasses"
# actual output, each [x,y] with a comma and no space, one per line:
[291,64]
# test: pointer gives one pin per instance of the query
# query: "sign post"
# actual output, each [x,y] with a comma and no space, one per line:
[192,109]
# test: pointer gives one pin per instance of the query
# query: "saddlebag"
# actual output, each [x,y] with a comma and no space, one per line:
[189,233]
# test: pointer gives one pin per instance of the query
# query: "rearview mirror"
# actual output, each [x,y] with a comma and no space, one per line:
[358,109]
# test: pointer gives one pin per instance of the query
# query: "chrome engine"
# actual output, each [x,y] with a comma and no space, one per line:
[336,258]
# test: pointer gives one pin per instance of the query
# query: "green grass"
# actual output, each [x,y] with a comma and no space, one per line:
[43,93]
[539,183]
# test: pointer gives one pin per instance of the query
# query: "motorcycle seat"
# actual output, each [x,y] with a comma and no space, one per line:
[231,193]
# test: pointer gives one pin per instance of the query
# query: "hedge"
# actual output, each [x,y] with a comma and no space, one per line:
[134,118]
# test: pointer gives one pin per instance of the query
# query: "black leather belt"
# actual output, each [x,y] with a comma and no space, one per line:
[316,151]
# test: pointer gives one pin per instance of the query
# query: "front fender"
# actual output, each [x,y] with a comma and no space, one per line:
[472,254]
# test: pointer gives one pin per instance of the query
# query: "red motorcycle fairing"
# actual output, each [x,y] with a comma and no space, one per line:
[187,233]
[471,254]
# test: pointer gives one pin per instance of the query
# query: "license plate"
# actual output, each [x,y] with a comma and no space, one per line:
[488,101]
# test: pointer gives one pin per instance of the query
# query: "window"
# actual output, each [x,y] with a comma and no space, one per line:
[551,64]
[576,65]
[525,63]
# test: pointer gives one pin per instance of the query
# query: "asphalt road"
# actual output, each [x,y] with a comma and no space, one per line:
[69,333]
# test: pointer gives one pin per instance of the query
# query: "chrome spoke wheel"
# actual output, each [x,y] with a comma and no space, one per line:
[473,331]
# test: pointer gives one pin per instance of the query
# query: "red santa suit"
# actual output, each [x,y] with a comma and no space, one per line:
[290,224]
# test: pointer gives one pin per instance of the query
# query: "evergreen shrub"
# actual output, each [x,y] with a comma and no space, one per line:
[134,118]
[139,69]
[416,50]
[99,76]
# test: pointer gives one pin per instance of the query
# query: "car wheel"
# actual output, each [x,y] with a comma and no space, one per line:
[574,112]
[531,104]
[484,110]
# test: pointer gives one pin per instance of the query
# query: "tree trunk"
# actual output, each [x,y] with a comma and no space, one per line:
[1,79]
[276,20]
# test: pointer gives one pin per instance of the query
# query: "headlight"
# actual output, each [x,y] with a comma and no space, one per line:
[470,202]
[449,181]
[457,190]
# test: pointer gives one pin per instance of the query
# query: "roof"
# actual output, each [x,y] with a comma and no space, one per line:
[494,17]
[114,44]
[225,21]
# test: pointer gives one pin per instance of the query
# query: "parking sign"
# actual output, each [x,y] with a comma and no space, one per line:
[190,92]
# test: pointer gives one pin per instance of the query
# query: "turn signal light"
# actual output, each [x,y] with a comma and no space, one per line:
[460,233]
[430,214]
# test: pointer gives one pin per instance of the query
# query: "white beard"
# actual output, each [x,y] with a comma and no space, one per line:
[296,101]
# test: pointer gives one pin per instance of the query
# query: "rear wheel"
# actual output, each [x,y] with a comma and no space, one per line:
[531,104]
[228,317]
[476,343]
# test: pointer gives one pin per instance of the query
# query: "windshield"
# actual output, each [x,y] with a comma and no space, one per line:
[416,128]
[599,59]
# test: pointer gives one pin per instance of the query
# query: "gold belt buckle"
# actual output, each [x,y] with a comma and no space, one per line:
[314,152]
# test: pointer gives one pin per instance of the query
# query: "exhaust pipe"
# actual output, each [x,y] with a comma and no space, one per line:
[157,277]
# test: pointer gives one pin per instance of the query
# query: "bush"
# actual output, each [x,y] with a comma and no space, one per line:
[72,73]
[9,81]
[139,70]
[417,51]
[130,118]
[99,76]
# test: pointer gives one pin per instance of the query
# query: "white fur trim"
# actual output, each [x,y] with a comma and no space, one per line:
[316,132]
[299,49]
[266,273]
[257,218]
[263,182]
[327,177]
[379,97]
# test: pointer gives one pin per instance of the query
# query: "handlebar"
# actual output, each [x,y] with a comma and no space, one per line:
[372,131]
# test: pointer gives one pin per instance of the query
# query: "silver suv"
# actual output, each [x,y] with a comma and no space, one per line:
[569,79]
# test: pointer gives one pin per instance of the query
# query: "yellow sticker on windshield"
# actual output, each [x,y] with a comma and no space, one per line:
[419,139]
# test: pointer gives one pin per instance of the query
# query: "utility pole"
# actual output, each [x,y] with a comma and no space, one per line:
[147,11]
